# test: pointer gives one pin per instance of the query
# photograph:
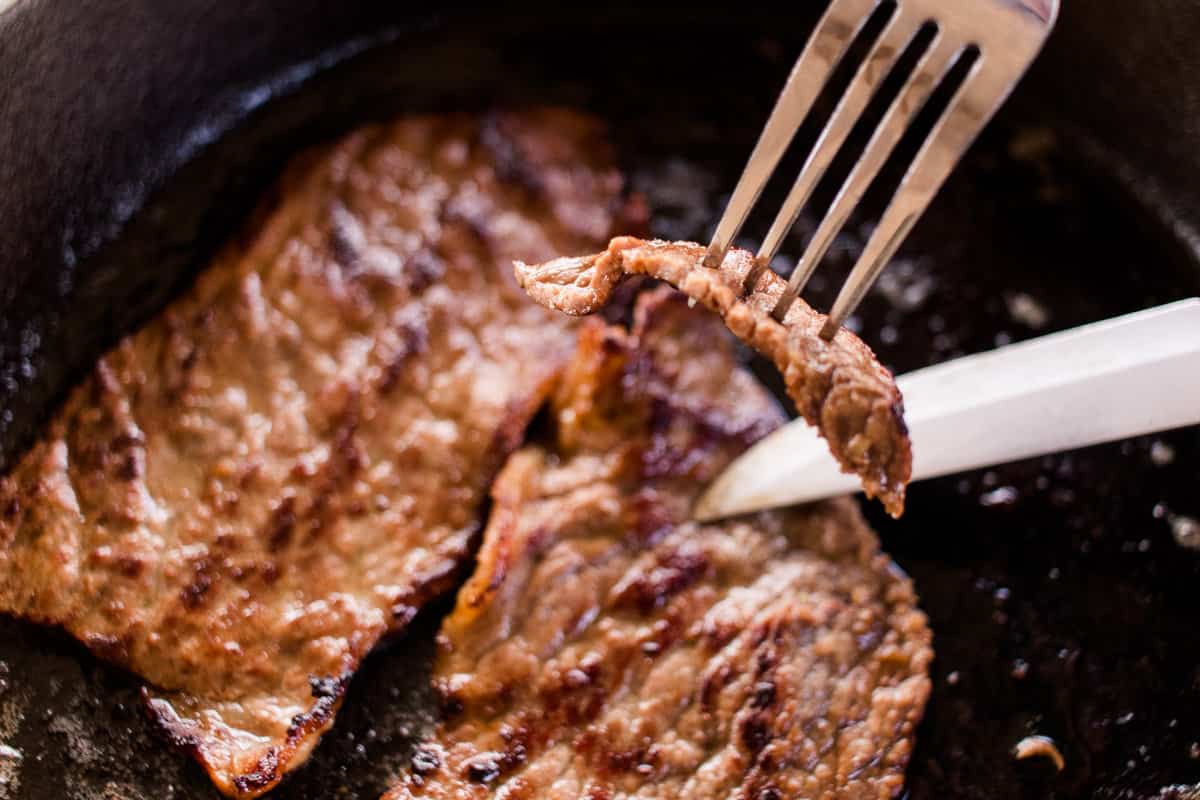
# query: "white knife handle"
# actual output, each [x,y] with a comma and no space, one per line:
[1123,377]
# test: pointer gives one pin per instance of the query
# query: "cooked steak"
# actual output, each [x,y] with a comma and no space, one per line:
[837,386]
[606,647]
[246,494]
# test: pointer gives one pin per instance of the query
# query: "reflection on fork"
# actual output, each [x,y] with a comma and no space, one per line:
[1001,36]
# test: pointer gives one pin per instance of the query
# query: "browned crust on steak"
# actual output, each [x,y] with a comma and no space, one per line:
[837,386]
[608,647]
[291,460]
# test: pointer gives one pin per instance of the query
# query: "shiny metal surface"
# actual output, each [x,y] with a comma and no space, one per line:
[1070,389]
[1008,35]
[824,51]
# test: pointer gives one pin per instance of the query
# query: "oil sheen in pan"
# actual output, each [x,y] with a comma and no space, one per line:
[1061,603]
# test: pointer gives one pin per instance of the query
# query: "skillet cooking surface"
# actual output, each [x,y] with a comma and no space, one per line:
[1061,604]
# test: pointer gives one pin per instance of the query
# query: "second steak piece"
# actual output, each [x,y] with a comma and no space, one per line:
[838,386]
[607,647]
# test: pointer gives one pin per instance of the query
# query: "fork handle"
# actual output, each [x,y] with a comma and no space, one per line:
[1123,377]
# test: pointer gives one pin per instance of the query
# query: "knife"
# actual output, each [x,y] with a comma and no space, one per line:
[1126,376]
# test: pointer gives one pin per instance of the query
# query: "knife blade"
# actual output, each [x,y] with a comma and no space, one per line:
[1126,376]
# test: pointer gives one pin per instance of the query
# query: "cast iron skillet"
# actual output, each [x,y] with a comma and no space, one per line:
[136,135]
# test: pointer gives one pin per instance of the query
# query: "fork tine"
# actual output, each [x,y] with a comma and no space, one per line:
[968,112]
[824,51]
[932,67]
[896,37]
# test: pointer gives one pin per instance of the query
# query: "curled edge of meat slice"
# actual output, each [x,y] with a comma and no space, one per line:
[838,386]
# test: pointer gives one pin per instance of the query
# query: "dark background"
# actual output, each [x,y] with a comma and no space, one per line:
[136,135]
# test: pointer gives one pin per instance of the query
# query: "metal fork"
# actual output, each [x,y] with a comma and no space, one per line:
[1007,34]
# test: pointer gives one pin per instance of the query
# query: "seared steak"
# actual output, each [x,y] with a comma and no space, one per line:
[606,647]
[284,466]
[837,386]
